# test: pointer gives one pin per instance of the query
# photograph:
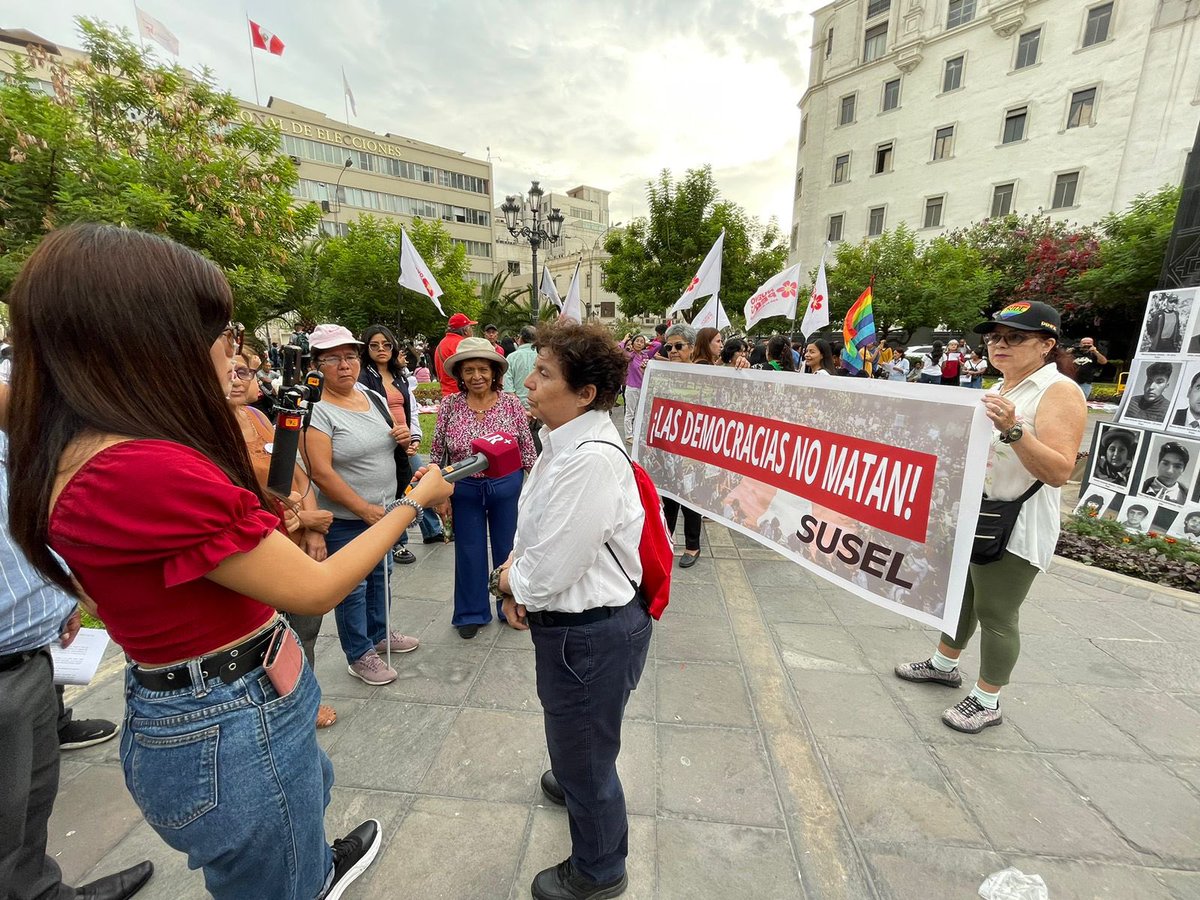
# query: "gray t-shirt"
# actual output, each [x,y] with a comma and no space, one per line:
[363,454]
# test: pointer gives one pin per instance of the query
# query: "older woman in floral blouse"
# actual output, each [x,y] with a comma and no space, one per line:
[482,506]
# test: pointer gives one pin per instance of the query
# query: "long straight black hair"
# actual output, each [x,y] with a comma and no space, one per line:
[88,298]
[393,363]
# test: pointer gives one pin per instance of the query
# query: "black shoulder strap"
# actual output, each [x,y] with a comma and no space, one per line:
[1034,488]
[606,544]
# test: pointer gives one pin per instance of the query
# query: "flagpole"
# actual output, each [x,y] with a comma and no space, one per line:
[253,70]
[399,286]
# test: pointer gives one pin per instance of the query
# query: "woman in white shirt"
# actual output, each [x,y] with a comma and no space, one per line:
[931,365]
[570,580]
[1039,415]
[899,366]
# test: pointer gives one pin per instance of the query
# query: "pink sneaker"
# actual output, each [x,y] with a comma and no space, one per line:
[371,669]
[401,643]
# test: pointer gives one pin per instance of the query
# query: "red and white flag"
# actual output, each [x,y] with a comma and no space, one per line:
[777,297]
[150,27]
[707,281]
[712,315]
[265,40]
[817,314]
[415,275]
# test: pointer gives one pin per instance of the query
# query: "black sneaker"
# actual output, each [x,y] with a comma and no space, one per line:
[80,733]
[562,882]
[434,539]
[925,670]
[403,556]
[351,856]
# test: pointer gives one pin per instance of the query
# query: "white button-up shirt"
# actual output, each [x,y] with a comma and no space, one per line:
[576,499]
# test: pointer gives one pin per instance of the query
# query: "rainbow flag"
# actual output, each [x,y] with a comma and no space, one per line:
[858,331]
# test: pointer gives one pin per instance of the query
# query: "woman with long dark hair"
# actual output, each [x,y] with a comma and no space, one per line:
[138,477]
[818,358]
[779,354]
[931,365]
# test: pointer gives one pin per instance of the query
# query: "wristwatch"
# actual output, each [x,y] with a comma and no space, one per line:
[1012,435]
[494,583]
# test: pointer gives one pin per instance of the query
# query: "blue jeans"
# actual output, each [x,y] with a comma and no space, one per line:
[362,616]
[584,676]
[482,507]
[231,775]
[428,521]
[1086,387]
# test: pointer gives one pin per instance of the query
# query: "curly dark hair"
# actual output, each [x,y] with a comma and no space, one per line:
[587,355]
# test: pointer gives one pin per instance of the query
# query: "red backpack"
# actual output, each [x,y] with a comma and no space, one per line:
[655,550]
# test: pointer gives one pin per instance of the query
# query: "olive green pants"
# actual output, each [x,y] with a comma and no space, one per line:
[992,600]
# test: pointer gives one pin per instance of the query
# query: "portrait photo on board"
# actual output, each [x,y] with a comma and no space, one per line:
[1116,455]
[1137,514]
[1168,321]
[1096,501]
[1185,411]
[1150,391]
[1186,526]
[1168,469]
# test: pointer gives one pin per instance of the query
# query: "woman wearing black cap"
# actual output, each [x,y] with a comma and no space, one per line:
[1038,413]
[1118,447]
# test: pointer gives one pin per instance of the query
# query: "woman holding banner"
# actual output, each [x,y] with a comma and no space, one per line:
[1039,415]
[680,341]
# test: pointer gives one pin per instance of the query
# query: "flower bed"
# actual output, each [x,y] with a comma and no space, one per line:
[1153,557]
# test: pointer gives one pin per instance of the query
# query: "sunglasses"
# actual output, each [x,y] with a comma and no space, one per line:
[386,345]
[677,346]
[1012,339]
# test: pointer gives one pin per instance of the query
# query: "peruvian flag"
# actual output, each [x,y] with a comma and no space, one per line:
[265,40]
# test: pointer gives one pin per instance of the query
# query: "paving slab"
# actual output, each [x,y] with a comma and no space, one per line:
[96,795]
[392,747]
[819,648]
[783,605]
[489,755]
[908,871]
[715,861]
[715,774]
[507,680]
[1051,717]
[1157,721]
[436,673]
[1169,666]
[1076,880]
[549,843]
[696,638]
[850,705]
[1100,618]
[703,694]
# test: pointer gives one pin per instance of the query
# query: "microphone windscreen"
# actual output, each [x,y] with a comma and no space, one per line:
[502,452]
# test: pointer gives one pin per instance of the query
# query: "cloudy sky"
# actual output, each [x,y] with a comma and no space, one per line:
[573,92]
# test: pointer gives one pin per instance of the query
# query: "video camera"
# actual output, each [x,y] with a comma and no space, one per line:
[293,412]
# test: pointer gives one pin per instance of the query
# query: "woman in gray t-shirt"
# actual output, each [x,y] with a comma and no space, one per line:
[350,451]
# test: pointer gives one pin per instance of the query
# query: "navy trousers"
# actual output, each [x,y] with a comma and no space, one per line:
[584,676]
[483,508]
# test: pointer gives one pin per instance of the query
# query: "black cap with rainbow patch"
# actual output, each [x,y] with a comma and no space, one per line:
[1025,315]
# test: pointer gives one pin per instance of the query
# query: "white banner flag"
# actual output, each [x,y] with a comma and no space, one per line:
[572,308]
[816,315]
[415,274]
[348,93]
[548,290]
[150,27]
[712,316]
[707,280]
[872,485]
[777,297]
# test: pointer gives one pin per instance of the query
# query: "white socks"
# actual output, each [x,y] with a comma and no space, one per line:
[986,700]
[942,662]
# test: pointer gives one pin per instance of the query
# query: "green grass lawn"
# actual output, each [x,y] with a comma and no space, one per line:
[427,421]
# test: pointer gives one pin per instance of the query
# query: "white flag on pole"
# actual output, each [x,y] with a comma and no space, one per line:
[712,316]
[572,308]
[707,280]
[816,316]
[349,93]
[150,27]
[415,274]
[777,297]
[548,290]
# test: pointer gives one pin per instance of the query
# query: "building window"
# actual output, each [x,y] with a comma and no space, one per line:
[1002,199]
[835,228]
[828,43]
[803,129]
[799,185]
[841,169]
[608,309]
[1014,125]
[875,221]
[883,158]
[933,212]
[1083,103]
[514,267]
[1066,186]
[960,12]
[875,42]
[953,75]
[876,7]
[1027,48]
[891,94]
[1099,18]
[795,235]
[943,142]
[846,113]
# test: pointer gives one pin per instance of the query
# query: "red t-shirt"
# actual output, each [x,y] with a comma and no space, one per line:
[140,525]
[444,351]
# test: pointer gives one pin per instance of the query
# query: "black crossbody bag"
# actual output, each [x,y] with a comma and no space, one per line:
[997,519]
[404,472]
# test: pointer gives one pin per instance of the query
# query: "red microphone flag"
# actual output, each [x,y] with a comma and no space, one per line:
[265,40]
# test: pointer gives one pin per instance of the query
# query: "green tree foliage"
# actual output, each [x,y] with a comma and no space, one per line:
[356,277]
[122,138]
[654,258]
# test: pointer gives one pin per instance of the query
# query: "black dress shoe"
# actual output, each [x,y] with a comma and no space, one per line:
[118,886]
[466,632]
[435,539]
[688,560]
[552,789]
[563,883]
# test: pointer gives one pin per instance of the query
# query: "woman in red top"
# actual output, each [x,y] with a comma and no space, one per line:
[138,477]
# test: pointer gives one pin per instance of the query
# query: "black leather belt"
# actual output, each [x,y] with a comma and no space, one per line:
[228,665]
[549,619]
[13,660]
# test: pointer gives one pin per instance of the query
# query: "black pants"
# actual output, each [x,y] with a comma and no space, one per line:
[584,676]
[691,522]
[29,748]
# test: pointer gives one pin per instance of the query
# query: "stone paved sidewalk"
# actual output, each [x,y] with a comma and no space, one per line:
[769,752]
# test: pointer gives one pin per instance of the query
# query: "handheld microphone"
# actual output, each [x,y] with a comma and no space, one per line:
[497,453]
[290,418]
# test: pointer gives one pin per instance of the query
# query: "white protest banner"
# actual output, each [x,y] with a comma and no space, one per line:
[777,297]
[872,485]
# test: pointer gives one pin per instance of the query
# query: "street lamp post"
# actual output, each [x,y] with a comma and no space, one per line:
[536,232]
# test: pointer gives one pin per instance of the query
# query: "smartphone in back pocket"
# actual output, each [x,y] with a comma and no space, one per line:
[284,660]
